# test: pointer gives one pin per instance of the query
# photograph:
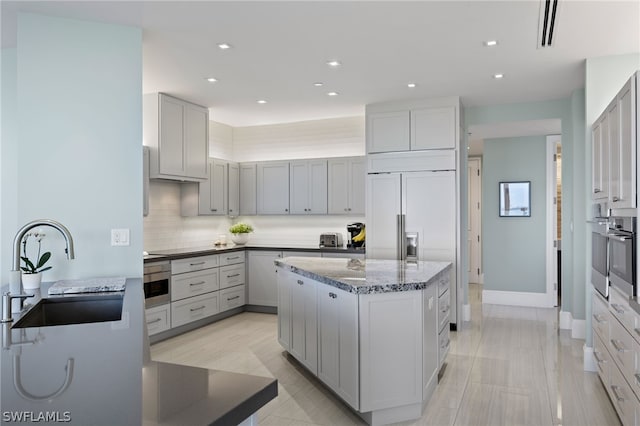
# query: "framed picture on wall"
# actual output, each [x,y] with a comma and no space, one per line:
[515,199]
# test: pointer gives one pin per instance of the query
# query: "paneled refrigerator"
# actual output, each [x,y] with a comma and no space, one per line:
[412,216]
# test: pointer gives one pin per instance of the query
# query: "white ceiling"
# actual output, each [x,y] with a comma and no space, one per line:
[280,49]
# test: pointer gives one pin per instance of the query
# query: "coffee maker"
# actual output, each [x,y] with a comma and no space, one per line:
[356,235]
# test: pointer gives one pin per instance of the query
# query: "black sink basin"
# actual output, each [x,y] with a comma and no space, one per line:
[73,310]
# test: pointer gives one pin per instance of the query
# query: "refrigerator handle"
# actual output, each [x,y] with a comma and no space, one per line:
[400,236]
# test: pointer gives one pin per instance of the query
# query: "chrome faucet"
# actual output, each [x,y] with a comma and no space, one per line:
[7,297]
[40,222]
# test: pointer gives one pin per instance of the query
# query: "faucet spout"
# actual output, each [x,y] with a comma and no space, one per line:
[36,223]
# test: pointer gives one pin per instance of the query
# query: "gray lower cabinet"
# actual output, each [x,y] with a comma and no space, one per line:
[158,319]
[263,289]
[194,308]
[304,320]
[232,297]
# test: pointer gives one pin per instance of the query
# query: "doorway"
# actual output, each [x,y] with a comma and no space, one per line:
[474,231]
[554,219]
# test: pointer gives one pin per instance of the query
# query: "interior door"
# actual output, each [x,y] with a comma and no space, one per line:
[474,220]
[383,208]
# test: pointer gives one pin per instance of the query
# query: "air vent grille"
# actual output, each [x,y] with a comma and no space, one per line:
[547,28]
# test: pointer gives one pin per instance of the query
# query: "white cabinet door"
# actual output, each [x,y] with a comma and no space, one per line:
[614,152]
[171,137]
[626,138]
[284,308]
[308,187]
[263,278]
[383,207]
[433,128]
[212,194]
[273,187]
[248,189]
[430,340]
[388,131]
[600,159]
[196,140]
[233,189]
[304,321]
[346,185]
[338,342]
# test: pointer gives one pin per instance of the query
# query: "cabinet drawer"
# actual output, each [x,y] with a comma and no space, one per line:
[444,307]
[231,275]
[443,284]
[619,307]
[623,399]
[634,380]
[231,298]
[193,309]
[443,345]
[194,264]
[194,284]
[158,319]
[601,316]
[621,348]
[603,360]
[231,258]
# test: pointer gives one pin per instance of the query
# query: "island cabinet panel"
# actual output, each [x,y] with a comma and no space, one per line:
[390,332]
[284,310]
[338,342]
[304,320]
[430,328]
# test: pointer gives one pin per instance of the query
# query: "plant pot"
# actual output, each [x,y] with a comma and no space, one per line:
[240,239]
[31,281]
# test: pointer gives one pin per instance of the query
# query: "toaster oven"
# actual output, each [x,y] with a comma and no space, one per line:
[331,239]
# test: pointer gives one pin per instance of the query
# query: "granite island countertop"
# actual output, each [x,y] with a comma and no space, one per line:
[368,276]
[100,374]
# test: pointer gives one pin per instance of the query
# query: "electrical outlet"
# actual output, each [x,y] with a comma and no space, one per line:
[119,237]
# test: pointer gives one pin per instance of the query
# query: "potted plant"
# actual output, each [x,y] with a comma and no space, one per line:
[240,233]
[32,271]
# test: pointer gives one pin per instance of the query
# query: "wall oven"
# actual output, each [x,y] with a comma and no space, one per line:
[157,283]
[622,252]
[600,256]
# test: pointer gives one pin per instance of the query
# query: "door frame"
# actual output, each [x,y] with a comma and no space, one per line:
[552,143]
[477,182]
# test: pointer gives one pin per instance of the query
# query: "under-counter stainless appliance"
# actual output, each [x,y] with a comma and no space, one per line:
[157,283]
[600,256]
[331,239]
[622,251]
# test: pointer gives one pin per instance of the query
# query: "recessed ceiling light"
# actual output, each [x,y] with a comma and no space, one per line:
[224,46]
[318,84]
[332,93]
[212,79]
[261,101]
[498,76]
[411,85]
[334,63]
[491,43]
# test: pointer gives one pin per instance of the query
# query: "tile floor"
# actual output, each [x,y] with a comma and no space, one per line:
[508,366]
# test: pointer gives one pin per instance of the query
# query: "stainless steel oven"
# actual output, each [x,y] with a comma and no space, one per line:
[157,283]
[600,256]
[622,250]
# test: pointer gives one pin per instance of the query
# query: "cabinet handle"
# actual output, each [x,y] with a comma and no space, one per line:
[618,345]
[196,264]
[616,199]
[617,308]
[598,318]
[637,330]
[286,210]
[598,359]
[160,319]
[300,282]
[333,295]
[199,283]
[614,389]
[197,309]
[230,210]
[233,258]
[349,209]
[232,298]
[596,190]
[214,210]
[446,345]
[345,209]
[234,275]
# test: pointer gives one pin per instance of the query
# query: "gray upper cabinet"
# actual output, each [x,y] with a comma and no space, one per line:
[248,189]
[388,131]
[273,187]
[308,187]
[233,170]
[213,192]
[176,133]
[346,185]
[433,128]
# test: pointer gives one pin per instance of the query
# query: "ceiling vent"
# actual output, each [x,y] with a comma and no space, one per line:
[547,27]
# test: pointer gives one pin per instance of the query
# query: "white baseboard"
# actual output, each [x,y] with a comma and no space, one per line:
[589,362]
[466,312]
[578,329]
[516,298]
[565,320]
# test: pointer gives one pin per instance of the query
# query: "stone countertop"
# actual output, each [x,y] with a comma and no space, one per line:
[368,276]
[180,253]
[93,374]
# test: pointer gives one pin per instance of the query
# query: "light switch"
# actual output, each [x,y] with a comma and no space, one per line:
[120,237]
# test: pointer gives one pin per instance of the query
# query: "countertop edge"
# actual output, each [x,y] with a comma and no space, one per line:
[223,250]
[249,406]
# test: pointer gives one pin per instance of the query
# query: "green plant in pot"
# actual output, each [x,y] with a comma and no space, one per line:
[240,233]
[33,269]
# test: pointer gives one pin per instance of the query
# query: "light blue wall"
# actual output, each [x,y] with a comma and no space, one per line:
[605,76]
[78,148]
[513,248]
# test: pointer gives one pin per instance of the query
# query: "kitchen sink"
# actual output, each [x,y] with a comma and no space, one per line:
[72,310]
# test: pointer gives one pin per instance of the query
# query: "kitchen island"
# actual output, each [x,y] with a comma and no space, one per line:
[99,373]
[374,331]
